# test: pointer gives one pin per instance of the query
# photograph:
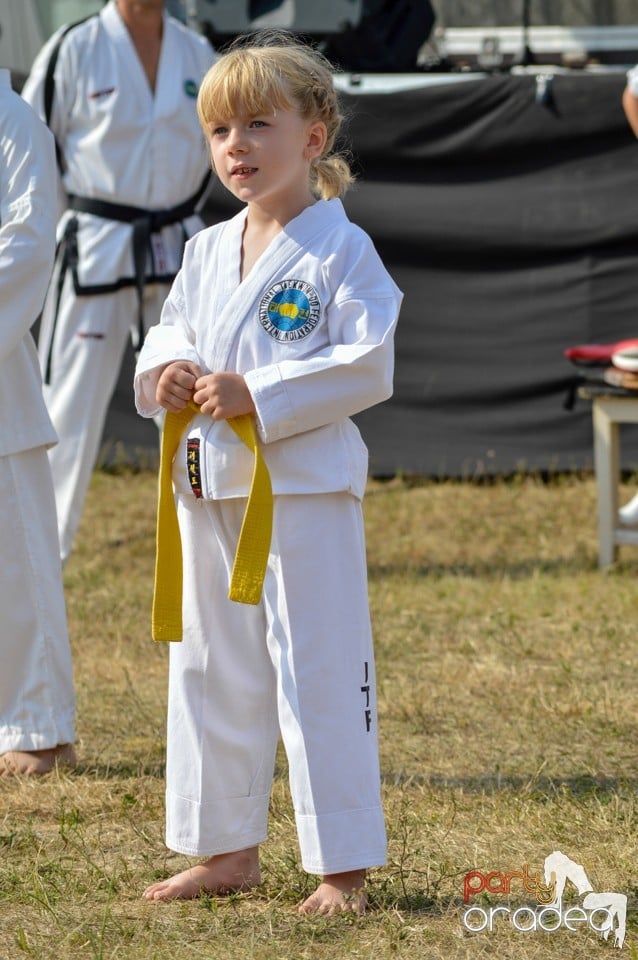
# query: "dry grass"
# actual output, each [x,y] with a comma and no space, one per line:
[507,690]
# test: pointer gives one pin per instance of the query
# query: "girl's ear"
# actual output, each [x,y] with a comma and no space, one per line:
[316,142]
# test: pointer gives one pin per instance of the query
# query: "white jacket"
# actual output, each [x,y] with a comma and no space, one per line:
[27,248]
[310,328]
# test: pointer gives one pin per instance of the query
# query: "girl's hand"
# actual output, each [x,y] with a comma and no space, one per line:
[223,395]
[176,384]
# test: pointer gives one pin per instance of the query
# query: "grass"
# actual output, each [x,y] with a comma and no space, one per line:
[507,711]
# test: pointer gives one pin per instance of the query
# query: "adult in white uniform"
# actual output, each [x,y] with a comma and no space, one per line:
[287,313]
[628,514]
[37,704]
[119,92]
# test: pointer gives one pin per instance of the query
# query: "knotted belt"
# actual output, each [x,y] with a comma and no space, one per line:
[253,545]
[144,222]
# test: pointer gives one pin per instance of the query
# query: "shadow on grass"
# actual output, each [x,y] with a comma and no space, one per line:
[119,771]
[494,569]
[412,903]
[136,770]
[577,784]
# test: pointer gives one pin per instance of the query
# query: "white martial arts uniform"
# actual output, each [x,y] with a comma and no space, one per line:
[310,328]
[121,144]
[37,707]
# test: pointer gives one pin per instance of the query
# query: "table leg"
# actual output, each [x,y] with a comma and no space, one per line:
[607,465]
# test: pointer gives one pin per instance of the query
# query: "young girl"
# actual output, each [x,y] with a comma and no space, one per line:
[285,313]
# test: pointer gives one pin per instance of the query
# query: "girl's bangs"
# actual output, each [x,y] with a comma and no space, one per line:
[244,87]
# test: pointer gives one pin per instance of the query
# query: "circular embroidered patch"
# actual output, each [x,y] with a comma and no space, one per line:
[190,89]
[290,310]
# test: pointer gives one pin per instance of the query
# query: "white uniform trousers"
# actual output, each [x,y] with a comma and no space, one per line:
[301,662]
[89,341]
[37,703]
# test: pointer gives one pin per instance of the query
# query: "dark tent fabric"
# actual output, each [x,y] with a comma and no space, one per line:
[511,224]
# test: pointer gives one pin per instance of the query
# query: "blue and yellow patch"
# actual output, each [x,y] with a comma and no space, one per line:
[290,310]
[190,89]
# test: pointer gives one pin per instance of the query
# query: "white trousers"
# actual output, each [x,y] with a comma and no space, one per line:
[300,663]
[37,703]
[83,355]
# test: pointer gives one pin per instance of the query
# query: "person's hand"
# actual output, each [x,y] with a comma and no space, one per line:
[223,395]
[176,384]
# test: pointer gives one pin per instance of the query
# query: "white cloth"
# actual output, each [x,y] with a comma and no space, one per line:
[37,702]
[632,80]
[27,244]
[37,707]
[310,328]
[124,144]
[302,662]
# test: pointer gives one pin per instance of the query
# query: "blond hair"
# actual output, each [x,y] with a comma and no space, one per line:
[269,70]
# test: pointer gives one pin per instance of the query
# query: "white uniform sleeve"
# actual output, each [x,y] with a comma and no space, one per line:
[352,374]
[169,340]
[33,93]
[27,222]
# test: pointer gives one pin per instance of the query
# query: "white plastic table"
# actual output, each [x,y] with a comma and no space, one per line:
[609,410]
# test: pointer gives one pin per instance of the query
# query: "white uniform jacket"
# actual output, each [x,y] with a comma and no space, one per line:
[310,328]
[27,246]
[122,143]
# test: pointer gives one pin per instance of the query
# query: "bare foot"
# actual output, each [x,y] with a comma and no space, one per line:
[338,893]
[223,873]
[35,763]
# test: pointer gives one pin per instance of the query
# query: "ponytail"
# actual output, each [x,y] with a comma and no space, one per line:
[331,176]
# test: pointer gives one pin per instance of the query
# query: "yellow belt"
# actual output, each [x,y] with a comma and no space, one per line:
[253,546]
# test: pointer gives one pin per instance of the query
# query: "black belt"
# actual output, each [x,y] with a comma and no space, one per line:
[144,223]
[156,219]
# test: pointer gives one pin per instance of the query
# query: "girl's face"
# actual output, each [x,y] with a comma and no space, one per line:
[265,159]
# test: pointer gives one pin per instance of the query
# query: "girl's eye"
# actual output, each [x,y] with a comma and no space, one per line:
[258,123]
[219,131]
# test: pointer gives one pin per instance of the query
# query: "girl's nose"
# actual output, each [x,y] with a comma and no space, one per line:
[235,140]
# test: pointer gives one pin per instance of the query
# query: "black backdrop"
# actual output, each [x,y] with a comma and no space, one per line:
[512,227]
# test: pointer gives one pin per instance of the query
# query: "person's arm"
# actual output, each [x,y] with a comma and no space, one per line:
[630,100]
[351,368]
[27,220]
[355,373]
[630,106]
